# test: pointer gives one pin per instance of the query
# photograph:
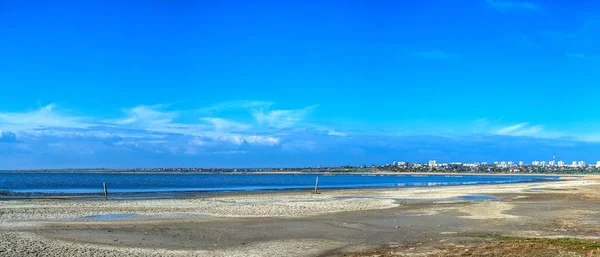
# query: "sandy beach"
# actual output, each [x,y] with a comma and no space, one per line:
[430,221]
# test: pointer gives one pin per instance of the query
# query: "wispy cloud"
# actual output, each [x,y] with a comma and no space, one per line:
[433,54]
[559,37]
[282,118]
[576,55]
[526,129]
[580,56]
[507,5]
[147,115]
[245,105]
[44,117]
[521,129]
[221,124]
[148,131]
[156,118]
[336,133]
[580,42]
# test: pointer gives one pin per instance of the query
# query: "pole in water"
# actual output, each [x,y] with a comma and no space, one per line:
[105,191]
[317,186]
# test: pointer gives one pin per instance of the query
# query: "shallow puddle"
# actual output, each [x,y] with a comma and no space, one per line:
[134,216]
[478,197]
[109,216]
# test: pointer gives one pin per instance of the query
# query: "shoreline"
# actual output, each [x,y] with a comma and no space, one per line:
[145,195]
[266,204]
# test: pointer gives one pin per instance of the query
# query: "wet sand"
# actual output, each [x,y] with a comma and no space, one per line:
[402,221]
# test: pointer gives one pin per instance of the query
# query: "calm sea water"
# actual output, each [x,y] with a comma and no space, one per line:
[120,183]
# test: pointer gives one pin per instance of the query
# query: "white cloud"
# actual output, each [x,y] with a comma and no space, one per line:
[156,118]
[433,54]
[579,56]
[512,5]
[229,152]
[525,129]
[79,133]
[221,124]
[146,116]
[282,118]
[246,105]
[261,140]
[238,139]
[511,129]
[43,117]
[158,129]
[336,133]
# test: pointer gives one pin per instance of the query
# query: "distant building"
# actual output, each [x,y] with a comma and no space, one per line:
[574,164]
[561,163]
[598,164]
[543,163]
[511,163]
[432,163]
[581,164]
[521,163]
[551,163]
[483,163]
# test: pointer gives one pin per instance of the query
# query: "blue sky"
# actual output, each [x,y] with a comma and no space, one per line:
[296,83]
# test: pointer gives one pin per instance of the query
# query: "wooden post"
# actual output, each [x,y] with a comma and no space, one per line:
[317,186]
[105,191]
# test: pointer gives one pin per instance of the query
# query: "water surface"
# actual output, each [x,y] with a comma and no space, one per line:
[16,183]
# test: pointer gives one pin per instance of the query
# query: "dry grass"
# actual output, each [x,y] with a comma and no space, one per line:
[499,246]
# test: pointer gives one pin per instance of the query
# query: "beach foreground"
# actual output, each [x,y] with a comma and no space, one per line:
[540,219]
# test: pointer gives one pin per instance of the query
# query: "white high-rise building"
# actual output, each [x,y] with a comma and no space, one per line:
[551,163]
[598,164]
[432,163]
[521,163]
[483,163]
[543,163]
[574,164]
[581,164]
[561,163]
[511,163]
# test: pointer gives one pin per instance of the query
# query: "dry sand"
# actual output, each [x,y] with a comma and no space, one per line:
[23,223]
[29,244]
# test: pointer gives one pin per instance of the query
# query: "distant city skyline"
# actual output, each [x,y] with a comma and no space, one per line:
[90,84]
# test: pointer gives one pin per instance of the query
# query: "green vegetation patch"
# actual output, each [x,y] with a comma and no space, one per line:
[571,244]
